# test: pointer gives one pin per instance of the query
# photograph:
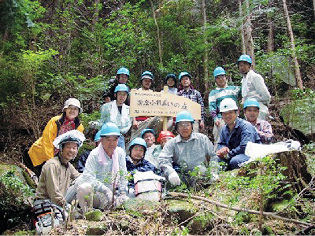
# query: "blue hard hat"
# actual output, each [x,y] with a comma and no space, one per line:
[182,74]
[245,58]
[121,88]
[143,132]
[170,76]
[138,141]
[218,71]
[109,129]
[97,136]
[184,116]
[123,70]
[251,103]
[147,75]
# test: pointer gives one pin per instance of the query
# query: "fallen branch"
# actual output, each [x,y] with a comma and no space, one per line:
[268,214]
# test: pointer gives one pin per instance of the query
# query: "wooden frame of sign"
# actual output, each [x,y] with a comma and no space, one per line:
[164,104]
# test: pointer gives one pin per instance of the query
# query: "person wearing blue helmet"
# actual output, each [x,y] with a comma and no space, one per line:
[83,157]
[117,112]
[135,161]
[146,81]
[186,151]
[121,77]
[216,95]
[105,173]
[253,86]
[171,82]
[186,90]
[263,127]
[149,137]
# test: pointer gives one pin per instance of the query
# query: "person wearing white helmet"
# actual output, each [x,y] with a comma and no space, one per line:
[186,151]
[105,171]
[58,172]
[117,112]
[215,98]
[43,150]
[253,85]
[50,198]
[234,136]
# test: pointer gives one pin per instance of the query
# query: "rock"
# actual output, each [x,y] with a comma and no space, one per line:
[200,224]
[96,230]
[182,210]
[95,215]
[139,205]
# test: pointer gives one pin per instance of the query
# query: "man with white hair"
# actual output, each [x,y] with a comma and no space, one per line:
[234,136]
[105,171]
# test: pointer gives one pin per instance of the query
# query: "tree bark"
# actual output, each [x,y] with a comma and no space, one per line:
[296,63]
[205,41]
[158,33]
[242,26]
[271,33]
[249,42]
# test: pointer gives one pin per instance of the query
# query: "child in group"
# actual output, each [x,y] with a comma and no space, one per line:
[136,162]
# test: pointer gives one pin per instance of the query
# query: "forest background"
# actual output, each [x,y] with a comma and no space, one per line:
[53,50]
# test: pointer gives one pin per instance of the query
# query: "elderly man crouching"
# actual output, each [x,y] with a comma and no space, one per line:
[186,151]
[103,183]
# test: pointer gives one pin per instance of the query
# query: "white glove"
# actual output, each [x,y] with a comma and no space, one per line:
[120,200]
[108,193]
[202,169]
[174,178]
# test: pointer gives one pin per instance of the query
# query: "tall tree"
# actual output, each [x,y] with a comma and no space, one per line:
[294,57]
[271,33]
[205,56]
[242,26]
[249,42]
[158,33]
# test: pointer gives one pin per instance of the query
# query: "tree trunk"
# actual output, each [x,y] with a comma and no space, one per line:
[296,63]
[249,42]
[96,13]
[271,33]
[205,56]
[314,7]
[158,33]
[242,26]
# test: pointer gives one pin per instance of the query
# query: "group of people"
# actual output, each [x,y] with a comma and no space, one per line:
[102,178]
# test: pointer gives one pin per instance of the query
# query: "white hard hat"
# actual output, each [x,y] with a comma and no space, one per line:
[74,102]
[228,104]
[70,136]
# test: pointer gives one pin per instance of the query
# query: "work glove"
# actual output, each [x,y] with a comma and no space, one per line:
[107,192]
[120,199]
[174,178]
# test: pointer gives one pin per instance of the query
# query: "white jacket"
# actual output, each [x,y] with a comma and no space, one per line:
[253,86]
[110,113]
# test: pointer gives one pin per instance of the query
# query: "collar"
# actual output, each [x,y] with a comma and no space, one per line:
[131,161]
[223,87]
[178,138]
[60,159]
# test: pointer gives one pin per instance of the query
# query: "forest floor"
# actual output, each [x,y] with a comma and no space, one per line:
[180,215]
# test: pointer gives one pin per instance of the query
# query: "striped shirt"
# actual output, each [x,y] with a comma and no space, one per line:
[195,96]
[217,95]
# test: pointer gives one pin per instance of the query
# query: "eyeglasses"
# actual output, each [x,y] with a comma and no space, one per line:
[184,125]
[73,108]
